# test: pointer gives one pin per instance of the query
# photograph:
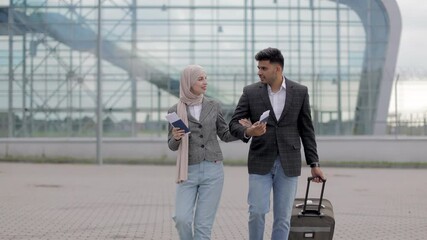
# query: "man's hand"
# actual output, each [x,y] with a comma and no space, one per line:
[317,173]
[257,129]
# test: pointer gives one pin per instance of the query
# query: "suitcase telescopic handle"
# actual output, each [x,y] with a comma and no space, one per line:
[311,179]
[317,212]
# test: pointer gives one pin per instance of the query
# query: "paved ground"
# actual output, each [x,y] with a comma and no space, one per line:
[42,201]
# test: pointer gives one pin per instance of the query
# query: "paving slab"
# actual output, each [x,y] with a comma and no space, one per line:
[72,201]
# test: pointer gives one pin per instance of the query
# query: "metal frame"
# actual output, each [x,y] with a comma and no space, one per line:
[144,47]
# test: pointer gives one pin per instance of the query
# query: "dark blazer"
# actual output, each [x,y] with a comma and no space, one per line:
[203,139]
[283,136]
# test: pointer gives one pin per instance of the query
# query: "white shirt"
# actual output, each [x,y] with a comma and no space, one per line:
[195,111]
[278,99]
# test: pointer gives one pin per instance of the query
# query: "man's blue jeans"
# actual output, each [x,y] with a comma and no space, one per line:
[284,191]
[199,197]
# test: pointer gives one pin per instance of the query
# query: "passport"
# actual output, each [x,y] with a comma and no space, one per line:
[264,116]
[177,122]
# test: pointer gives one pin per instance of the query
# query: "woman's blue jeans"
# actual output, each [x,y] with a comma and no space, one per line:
[198,197]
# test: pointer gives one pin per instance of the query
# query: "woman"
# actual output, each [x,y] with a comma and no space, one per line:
[199,163]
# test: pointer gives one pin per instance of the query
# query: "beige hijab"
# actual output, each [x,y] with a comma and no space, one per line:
[189,77]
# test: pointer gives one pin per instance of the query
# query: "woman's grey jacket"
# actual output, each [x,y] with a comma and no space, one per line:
[203,140]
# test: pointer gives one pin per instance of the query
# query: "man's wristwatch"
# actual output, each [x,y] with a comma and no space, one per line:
[315,164]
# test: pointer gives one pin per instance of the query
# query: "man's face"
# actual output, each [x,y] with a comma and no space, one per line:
[267,71]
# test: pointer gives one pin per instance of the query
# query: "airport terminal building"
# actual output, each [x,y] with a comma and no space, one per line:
[66,63]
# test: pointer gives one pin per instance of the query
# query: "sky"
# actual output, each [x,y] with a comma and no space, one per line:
[413,44]
[412,60]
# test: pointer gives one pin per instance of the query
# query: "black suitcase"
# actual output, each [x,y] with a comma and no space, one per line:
[312,218]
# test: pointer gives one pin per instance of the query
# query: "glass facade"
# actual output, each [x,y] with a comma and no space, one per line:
[49,65]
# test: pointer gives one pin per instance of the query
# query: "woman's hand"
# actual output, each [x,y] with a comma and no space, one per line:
[178,133]
[245,122]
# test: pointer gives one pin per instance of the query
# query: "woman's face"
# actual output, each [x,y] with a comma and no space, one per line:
[201,85]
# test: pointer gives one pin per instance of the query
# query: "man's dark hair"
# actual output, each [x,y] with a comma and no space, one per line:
[272,54]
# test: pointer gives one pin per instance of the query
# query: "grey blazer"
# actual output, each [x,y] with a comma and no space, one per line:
[203,140]
[283,136]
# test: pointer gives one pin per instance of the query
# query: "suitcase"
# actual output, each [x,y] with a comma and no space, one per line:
[312,218]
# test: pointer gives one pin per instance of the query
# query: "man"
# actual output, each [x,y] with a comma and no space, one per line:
[274,160]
